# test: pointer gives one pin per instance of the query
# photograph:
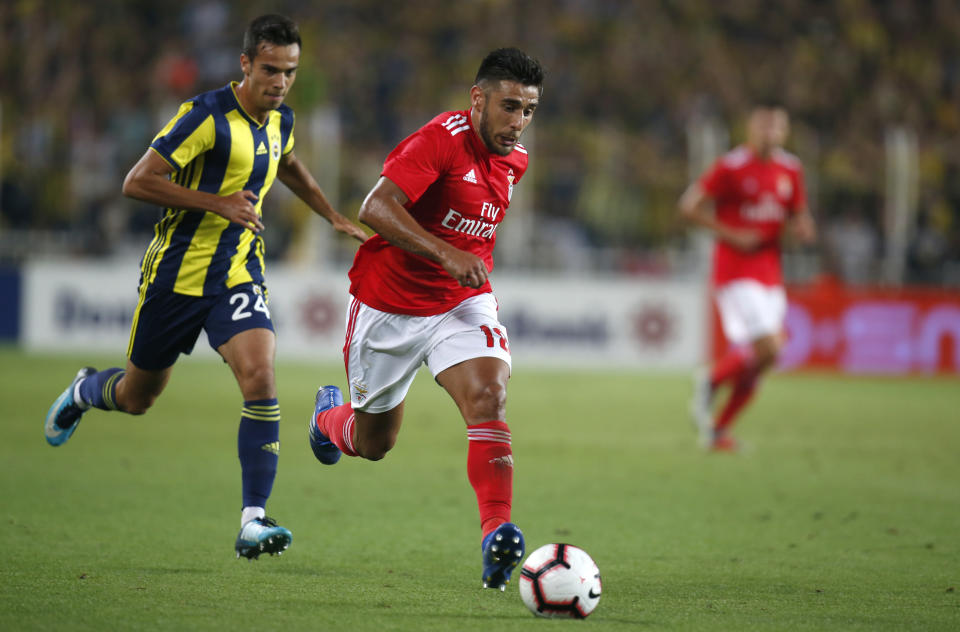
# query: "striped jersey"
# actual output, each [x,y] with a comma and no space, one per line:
[459,191]
[214,146]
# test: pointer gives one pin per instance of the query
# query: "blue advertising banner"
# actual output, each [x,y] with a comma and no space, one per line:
[10,296]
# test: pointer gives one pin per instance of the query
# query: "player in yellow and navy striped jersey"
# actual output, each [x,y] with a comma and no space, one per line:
[214,146]
[209,169]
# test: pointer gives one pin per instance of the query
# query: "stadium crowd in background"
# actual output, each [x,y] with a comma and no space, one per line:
[630,79]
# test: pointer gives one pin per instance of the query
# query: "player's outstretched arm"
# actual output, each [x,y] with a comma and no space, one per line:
[696,208]
[298,179]
[383,211]
[149,181]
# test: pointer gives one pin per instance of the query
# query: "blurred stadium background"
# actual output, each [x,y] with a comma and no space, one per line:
[639,98]
[843,518]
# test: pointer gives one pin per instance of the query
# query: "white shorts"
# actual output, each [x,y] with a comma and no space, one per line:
[383,351]
[750,310]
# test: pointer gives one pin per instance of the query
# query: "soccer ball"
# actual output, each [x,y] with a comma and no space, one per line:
[560,580]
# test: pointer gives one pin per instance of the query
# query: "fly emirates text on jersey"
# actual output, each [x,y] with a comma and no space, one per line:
[476,227]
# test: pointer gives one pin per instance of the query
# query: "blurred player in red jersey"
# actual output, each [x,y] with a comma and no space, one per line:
[756,192]
[420,294]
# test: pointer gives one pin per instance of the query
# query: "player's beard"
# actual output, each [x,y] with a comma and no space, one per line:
[486,135]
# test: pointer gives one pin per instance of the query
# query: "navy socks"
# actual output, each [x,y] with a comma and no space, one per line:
[100,389]
[258,446]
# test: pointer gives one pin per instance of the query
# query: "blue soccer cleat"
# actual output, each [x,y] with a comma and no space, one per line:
[502,552]
[262,535]
[64,415]
[325,450]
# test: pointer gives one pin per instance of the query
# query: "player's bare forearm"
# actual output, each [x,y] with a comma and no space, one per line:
[696,207]
[167,194]
[298,179]
[148,181]
[390,220]
[397,226]
[383,210]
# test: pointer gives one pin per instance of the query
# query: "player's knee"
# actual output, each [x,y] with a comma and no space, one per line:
[375,448]
[371,455]
[766,351]
[487,402]
[257,382]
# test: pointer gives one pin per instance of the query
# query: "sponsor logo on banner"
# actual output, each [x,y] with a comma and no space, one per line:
[553,321]
[868,331]
[654,325]
[320,314]
[536,327]
[75,312]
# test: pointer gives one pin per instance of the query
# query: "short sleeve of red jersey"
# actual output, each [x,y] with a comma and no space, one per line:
[714,181]
[418,161]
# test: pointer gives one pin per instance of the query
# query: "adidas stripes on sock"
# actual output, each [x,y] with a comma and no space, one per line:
[258,446]
[100,389]
[337,424]
[490,470]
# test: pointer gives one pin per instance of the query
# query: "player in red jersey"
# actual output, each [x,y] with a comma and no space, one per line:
[757,192]
[420,294]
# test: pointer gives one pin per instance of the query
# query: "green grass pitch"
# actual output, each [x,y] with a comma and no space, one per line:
[844,515]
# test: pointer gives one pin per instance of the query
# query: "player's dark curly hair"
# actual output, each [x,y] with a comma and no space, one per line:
[511,64]
[273,28]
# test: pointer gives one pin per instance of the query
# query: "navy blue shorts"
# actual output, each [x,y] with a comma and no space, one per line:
[166,324]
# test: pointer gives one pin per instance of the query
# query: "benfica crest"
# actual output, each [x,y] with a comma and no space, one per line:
[510,179]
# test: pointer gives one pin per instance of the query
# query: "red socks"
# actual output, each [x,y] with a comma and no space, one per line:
[736,361]
[489,461]
[743,390]
[337,424]
[490,470]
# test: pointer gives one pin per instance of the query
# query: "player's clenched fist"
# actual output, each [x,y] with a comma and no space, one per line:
[238,207]
[467,268]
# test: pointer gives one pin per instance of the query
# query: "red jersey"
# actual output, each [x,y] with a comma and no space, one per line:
[458,191]
[750,192]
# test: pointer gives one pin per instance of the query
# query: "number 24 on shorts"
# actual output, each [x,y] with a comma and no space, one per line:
[241,311]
